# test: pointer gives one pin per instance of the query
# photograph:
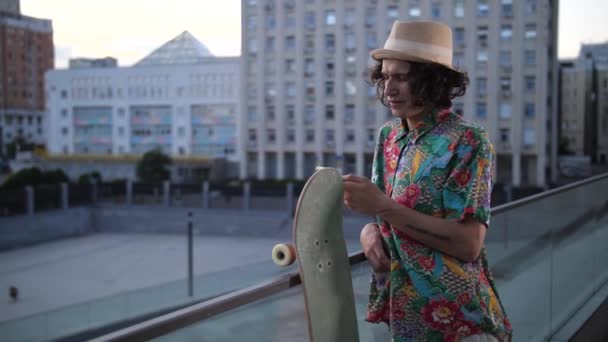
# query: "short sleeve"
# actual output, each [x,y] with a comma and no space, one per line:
[468,188]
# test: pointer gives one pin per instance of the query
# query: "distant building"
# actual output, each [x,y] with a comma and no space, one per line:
[108,62]
[26,53]
[179,98]
[306,101]
[584,103]
[10,6]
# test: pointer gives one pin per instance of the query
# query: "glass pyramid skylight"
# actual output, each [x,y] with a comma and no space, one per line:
[183,49]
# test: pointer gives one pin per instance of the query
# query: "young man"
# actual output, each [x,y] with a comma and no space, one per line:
[430,192]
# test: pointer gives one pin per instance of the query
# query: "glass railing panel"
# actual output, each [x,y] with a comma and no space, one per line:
[518,265]
[280,317]
[579,251]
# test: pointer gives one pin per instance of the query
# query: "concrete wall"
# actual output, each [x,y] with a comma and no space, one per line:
[23,230]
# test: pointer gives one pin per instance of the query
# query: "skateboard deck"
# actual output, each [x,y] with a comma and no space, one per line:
[320,249]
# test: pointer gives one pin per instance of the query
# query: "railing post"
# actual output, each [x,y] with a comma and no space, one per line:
[246,195]
[290,197]
[129,185]
[94,191]
[190,262]
[29,200]
[206,194]
[64,196]
[166,189]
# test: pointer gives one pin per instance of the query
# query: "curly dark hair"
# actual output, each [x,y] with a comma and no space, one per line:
[430,84]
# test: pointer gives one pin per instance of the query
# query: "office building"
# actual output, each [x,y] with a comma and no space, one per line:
[306,101]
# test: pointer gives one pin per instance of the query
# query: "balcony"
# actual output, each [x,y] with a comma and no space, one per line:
[547,253]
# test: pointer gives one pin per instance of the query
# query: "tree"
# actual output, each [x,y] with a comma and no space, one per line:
[34,176]
[153,167]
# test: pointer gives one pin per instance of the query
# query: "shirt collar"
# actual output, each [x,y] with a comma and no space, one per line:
[430,120]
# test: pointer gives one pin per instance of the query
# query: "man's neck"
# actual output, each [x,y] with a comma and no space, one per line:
[413,120]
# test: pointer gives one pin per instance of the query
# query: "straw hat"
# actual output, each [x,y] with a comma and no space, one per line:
[418,41]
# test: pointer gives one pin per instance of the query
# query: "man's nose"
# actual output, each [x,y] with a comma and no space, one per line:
[390,89]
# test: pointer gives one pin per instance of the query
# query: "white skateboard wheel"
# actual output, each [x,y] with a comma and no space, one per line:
[283,254]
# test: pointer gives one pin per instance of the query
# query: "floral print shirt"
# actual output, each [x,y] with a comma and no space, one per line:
[444,168]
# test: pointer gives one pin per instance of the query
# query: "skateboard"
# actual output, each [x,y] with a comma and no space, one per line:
[320,249]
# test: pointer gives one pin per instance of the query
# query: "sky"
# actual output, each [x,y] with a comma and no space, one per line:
[130,29]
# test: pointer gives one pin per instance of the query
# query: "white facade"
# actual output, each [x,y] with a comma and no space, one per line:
[185,109]
[306,101]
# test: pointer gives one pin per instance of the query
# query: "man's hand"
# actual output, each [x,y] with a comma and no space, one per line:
[363,196]
[373,248]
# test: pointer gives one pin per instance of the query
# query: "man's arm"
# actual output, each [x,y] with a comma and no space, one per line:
[462,240]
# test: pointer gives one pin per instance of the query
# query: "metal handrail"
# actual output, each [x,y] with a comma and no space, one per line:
[181,318]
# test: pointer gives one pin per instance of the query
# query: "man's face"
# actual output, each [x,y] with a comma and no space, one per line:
[396,87]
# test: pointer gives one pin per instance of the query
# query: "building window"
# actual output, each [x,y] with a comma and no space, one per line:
[290,21]
[529,136]
[459,36]
[530,7]
[482,110]
[309,67]
[530,83]
[252,114]
[530,31]
[436,10]
[349,137]
[506,32]
[529,110]
[252,21]
[370,17]
[271,22]
[64,94]
[290,89]
[482,35]
[330,17]
[459,8]
[392,13]
[458,59]
[253,137]
[270,43]
[270,136]
[504,135]
[330,41]
[270,116]
[482,84]
[505,111]
[504,59]
[349,88]
[482,8]
[64,113]
[329,67]
[505,84]
[310,135]
[290,65]
[121,131]
[414,10]
[349,113]
[309,19]
[371,137]
[329,112]
[482,56]
[291,135]
[290,42]
[349,41]
[64,131]
[506,8]
[252,46]
[291,112]
[309,114]
[530,57]
[329,137]
[329,88]
[349,17]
